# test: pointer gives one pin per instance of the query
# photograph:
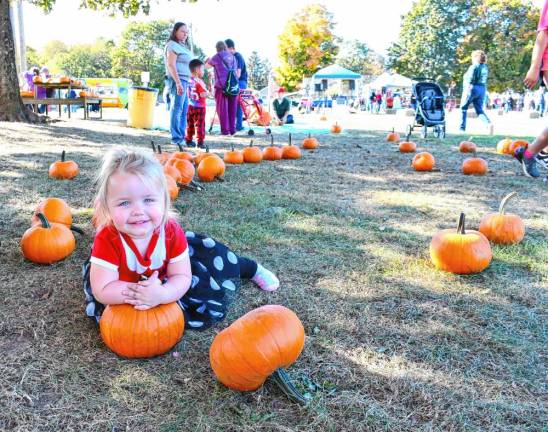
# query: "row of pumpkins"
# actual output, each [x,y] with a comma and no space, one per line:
[425,161]
[57,80]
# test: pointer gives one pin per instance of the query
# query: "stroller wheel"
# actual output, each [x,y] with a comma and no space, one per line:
[268,131]
[424,132]
[442,134]
[251,132]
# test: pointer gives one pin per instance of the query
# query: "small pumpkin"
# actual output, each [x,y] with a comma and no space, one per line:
[310,143]
[264,119]
[173,172]
[323,117]
[501,227]
[257,345]
[37,80]
[181,154]
[467,147]
[172,187]
[517,144]
[252,154]
[133,333]
[460,252]
[336,128]
[24,93]
[234,157]
[64,79]
[503,146]
[63,169]
[201,156]
[82,94]
[185,168]
[423,161]
[46,243]
[291,151]
[407,146]
[474,165]
[210,169]
[272,152]
[55,210]
[393,136]
[158,154]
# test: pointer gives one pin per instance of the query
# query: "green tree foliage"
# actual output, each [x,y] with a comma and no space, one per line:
[258,70]
[358,57]
[33,57]
[429,38]
[87,60]
[141,49]
[505,30]
[306,44]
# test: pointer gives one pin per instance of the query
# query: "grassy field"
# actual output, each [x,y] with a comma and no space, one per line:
[392,344]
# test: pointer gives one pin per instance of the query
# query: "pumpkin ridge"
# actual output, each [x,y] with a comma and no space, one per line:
[250,366]
[242,378]
[278,350]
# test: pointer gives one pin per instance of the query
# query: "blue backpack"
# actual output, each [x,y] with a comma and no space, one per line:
[232,86]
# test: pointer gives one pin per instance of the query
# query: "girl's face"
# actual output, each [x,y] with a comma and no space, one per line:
[182,33]
[135,208]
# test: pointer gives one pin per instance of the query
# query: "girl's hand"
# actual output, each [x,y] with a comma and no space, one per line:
[531,78]
[145,294]
[179,88]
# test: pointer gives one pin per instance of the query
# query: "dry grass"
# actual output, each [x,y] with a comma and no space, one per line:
[392,343]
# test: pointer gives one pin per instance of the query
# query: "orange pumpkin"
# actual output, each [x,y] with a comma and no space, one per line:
[336,128]
[133,333]
[181,154]
[474,165]
[63,169]
[272,152]
[252,154]
[82,94]
[393,136]
[423,161]
[173,172]
[503,146]
[55,210]
[158,154]
[64,80]
[172,187]
[517,144]
[460,252]
[201,156]
[291,151]
[264,119]
[467,147]
[501,227]
[26,93]
[407,146]
[211,168]
[310,143]
[234,157]
[185,168]
[46,243]
[323,117]
[37,80]
[256,346]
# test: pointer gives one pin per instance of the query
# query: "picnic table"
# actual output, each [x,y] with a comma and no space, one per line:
[85,101]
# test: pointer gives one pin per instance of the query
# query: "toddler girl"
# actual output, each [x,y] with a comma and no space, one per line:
[141,256]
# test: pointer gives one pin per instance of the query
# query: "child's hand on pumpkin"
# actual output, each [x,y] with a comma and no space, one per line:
[145,294]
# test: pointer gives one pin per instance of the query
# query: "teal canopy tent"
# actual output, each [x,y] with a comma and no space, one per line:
[336,72]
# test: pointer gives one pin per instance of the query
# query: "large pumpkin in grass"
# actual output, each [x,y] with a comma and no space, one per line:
[63,169]
[185,168]
[181,154]
[46,243]
[134,333]
[55,210]
[172,187]
[211,169]
[201,156]
[502,227]
[459,251]
[256,346]
[172,172]
[423,161]
[503,146]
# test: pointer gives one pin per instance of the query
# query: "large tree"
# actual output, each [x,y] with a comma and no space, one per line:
[505,30]
[358,57]
[429,37]
[11,105]
[258,70]
[306,44]
[87,60]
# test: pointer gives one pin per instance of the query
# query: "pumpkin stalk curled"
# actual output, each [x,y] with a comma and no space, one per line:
[283,381]
[502,207]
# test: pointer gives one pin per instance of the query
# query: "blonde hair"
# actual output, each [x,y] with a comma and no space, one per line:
[479,55]
[119,161]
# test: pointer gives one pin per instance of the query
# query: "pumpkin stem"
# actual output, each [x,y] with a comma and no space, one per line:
[159,149]
[43,220]
[153,146]
[408,136]
[290,138]
[502,207]
[63,156]
[272,140]
[180,148]
[232,145]
[207,149]
[308,135]
[251,143]
[460,228]
[76,229]
[283,381]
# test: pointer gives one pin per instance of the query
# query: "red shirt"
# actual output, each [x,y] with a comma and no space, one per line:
[116,251]
[196,87]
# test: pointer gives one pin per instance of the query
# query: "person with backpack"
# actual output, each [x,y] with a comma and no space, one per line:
[227,86]
[474,85]
[242,80]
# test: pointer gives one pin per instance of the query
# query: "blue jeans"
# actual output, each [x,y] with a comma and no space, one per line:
[178,111]
[475,97]
[239,112]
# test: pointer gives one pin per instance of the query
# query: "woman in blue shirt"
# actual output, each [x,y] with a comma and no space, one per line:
[474,84]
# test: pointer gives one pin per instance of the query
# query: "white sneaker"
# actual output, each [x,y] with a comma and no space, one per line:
[265,279]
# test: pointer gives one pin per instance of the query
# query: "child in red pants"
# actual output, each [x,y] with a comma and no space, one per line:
[197,94]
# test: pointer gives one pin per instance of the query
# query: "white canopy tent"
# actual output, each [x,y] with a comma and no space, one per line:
[391,80]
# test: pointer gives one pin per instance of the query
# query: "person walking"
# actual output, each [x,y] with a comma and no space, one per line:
[474,85]
[177,56]
[242,81]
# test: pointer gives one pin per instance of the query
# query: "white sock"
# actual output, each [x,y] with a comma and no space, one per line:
[265,279]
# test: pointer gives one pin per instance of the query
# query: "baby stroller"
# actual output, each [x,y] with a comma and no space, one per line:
[429,108]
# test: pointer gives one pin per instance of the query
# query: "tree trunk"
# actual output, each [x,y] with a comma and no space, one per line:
[11,106]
